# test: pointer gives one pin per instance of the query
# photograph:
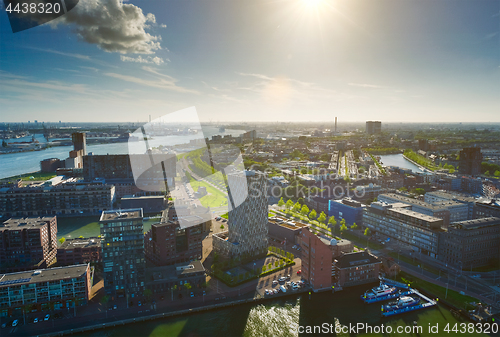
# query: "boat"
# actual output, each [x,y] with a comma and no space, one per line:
[382,290]
[402,302]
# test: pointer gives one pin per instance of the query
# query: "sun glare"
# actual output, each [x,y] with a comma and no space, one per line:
[312,3]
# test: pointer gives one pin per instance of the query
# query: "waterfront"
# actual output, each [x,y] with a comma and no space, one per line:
[283,317]
[400,161]
[25,162]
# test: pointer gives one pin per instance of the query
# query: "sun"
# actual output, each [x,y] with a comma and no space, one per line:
[312,3]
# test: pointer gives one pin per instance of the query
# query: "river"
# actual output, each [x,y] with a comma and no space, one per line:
[282,318]
[12,164]
[400,161]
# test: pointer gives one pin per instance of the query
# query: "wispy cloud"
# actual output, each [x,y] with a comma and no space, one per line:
[161,81]
[364,85]
[149,59]
[77,56]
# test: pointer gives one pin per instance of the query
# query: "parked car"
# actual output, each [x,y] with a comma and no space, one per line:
[139,303]
[282,279]
[275,282]
[46,318]
[115,307]
[35,320]
[192,294]
[4,325]
[276,291]
[15,322]
[295,287]
[294,247]
[299,272]
[288,277]
[266,292]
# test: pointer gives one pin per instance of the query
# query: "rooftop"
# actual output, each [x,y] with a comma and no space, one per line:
[127,214]
[42,275]
[24,223]
[356,259]
[174,272]
[476,223]
[435,206]
[284,222]
[81,243]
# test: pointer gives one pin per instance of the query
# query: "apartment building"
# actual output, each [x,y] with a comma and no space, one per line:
[79,251]
[44,289]
[68,198]
[27,243]
[123,251]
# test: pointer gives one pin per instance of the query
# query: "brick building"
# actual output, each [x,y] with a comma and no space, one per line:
[27,243]
[356,268]
[78,251]
[170,242]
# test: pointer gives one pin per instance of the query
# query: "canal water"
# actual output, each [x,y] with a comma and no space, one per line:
[399,161]
[25,162]
[283,317]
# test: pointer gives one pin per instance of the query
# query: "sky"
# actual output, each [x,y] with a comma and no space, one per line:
[256,60]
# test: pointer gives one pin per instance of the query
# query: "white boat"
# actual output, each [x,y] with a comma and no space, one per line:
[402,302]
[382,290]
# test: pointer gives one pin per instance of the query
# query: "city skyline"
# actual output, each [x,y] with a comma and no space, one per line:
[285,60]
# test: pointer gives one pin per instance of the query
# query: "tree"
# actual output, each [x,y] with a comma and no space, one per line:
[367,232]
[343,227]
[304,210]
[354,226]
[296,207]
[322,217]
[148,293]
[281,203]
[188,286]
[497,173]
[313,214]
[403,189]
[487,173]
[61,240]
[4,143]
[332,221]
[221,226]
[452,170]
[289,204]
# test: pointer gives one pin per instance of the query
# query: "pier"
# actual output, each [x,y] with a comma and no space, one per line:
[429,303]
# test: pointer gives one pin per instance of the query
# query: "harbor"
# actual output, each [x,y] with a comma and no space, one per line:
[404,295]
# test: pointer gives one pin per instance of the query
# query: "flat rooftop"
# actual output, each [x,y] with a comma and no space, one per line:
[122,214]
[415,215]
[173,272]
[289,224]
[407,200]
[24,223]
[80,243]
[476,223]
[42,275]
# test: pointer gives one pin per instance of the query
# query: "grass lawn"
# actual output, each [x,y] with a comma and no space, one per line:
[86,226]
[410,261]
[36,175]
[172,329]
[214,198]
[74,227]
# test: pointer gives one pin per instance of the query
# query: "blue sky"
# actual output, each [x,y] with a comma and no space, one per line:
[259,60]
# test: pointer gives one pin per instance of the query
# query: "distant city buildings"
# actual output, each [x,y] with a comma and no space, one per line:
[68,198]
[472,243]
[373,127]
[123,251]
[44,289]
[247,223]
[285,230]
[470,161]
[27,243]
[486,207]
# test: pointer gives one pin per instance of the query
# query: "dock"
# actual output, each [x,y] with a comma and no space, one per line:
[429,303]
[386,297]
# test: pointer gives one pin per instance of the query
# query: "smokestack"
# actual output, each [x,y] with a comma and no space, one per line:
[335,124]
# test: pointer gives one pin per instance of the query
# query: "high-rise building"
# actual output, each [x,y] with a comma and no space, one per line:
[79,142]
[27,243]
[373,127]
[247,223]
[470,161]
[123,251]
